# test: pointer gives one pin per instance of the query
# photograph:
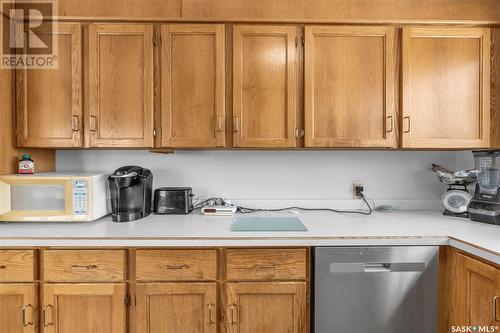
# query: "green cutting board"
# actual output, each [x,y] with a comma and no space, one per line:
[267,223]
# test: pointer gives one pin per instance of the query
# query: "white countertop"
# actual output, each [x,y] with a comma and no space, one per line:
[324,229]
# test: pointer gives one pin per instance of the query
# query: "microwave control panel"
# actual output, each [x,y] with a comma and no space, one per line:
[80,197]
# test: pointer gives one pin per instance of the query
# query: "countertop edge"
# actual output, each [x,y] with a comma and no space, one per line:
[473,249]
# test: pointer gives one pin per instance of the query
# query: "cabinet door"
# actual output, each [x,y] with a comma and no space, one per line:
[264,86]
[49,101]
[278,307]
[192,58]
[176,308]
[446,87]
[120,110]
[349,87]
[18,308]
[83,308]
[478,285]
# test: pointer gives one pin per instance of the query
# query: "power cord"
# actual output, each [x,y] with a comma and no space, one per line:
[247,210]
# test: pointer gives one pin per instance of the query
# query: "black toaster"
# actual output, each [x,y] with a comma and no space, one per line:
[173,200]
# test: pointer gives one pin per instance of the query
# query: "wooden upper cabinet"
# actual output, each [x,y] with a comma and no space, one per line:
[446,87]
[478,290]
[264,86]
[176,308]
[349,86]
[192,62]
[18,308]
[49,101]
[278,307]
[83,308]
[120,70]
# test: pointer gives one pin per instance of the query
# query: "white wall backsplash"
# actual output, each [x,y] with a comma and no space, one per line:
[464,160]
[280,175]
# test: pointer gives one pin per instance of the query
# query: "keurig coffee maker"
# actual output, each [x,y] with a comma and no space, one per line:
[131,189]
[485,206]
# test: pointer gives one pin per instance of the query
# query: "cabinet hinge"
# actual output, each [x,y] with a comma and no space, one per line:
[302,41]
[127,300]
[135,300]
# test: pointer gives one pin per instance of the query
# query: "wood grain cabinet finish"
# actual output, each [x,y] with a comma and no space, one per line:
[49,101]
[17,266]
[83,308]
[264,86]
[193,85]
[266,264]
[469,291]
[350,86]
[446,87]
[478,291]
[278,307]
[18,308]
[83,265]
[120,96]
[176,308]
[176,265]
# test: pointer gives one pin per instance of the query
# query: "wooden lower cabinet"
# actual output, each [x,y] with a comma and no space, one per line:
[261,307]
[470,292]
[18,308]
[478,286]
[83,308]
[176,308]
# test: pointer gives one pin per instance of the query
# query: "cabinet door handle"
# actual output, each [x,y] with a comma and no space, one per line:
[26,323]
[176,267]
[232,309]
[84,266]
[45,322]
[218,123]
[211,321]
[266,266]
[408,122]
[92,124]
[75,123]
[391,122]
[495,308]
[236,124]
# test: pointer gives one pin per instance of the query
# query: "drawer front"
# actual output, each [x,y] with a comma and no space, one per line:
[16,265]
[266,264]
[83,265]
[176,265]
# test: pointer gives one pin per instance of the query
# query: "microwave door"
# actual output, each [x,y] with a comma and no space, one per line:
[37,198]
[38,201]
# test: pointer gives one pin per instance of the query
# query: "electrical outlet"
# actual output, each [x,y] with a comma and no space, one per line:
[357,186]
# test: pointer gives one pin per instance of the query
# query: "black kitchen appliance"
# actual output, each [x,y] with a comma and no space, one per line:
[173,200]
[485,206]
[131,190]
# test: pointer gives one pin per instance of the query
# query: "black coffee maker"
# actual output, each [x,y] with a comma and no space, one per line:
[131,190]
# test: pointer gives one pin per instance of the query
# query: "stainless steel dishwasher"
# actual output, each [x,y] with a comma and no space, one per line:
[376,289]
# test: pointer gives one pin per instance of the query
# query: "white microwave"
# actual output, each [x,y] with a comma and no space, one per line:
[54,196]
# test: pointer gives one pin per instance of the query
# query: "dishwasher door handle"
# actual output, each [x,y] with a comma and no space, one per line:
[376,268]
[373,267]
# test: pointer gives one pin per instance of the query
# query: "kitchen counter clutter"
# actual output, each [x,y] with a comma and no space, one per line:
[323,229]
